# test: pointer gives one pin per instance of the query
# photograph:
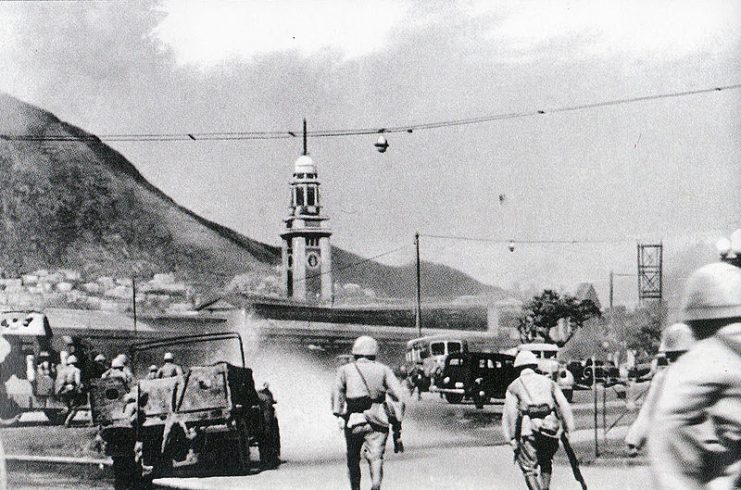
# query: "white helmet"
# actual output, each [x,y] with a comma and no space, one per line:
[169,356]
[713,292]
[71,359]
[676,338]
[525,358]
[153,368]
[365,346]
[100,358]
[117,362]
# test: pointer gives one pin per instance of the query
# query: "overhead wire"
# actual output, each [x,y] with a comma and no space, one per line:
[522,241]
[410,128]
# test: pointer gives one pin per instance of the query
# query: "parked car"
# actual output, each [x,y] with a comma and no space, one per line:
[476,376]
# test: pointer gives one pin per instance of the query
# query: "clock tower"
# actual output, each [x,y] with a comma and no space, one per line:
[306,252]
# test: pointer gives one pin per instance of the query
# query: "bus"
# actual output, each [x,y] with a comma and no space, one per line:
[425,358]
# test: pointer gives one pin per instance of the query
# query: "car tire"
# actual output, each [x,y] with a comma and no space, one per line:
[453,398]
[270,446]
[55,417]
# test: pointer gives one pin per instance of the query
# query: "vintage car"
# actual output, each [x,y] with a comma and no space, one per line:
[476,376]
[549,365]
[206,420]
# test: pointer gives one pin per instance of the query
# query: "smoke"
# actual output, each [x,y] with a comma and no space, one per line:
[301,381]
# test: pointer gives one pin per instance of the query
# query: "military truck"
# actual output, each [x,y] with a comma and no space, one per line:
[207,420]
[28,369]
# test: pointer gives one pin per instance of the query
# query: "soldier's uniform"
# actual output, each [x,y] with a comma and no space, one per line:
[695,441]
[118,370]
[358,386]
[169,369]
[676,339]
[531,433]
[69,387]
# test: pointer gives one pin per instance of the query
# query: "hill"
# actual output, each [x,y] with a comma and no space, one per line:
[83,205]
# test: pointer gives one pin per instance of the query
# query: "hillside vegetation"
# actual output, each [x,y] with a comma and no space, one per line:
[82,205]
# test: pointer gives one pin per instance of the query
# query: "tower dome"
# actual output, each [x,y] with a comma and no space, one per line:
[304,165]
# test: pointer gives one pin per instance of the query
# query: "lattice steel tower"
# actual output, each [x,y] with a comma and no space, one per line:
[650,260]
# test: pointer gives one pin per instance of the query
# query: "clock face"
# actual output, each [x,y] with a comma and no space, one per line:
[313,260]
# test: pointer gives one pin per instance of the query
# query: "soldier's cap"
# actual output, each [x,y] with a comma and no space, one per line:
[713,292]
[153,368]
[525,358]
[72,359]
[169,356]
[43,353]
[100,358]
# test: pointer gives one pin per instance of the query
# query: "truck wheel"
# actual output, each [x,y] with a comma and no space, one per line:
[270,446]
[10,413]
[56,417]
[453,398]
[241,464]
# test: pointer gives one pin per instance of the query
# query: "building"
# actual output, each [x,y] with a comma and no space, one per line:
[305,247]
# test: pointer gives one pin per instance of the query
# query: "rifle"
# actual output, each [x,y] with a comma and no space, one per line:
[573,461]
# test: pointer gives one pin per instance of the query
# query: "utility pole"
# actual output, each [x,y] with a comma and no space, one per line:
[306,150]
[612,289]
[133,301]
[418,312]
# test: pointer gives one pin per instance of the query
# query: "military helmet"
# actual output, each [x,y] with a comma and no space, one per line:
[68,340]
[365,346]
[72,359]
[713,292]
[117,363]
[525,358]
[676,338]
[169,356]
[100,358]
[153,368]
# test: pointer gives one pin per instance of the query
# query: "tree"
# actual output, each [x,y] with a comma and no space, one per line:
[542,314]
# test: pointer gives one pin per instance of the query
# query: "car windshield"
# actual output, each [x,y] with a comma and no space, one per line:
[454,347]
[437,349]
[549,354]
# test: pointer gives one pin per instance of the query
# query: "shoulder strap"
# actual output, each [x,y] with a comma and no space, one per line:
[362,378]
[730,343]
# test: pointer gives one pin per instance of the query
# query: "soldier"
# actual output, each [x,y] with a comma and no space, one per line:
[45,367]
[358,402]
[695,440]
[169,368]
[100,366]
[152,374]
[69,387]
[117,371]
[675,340]
[535,414]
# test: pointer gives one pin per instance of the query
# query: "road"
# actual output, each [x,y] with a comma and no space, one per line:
[448,446]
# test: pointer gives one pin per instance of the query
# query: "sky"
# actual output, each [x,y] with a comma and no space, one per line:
[663,170]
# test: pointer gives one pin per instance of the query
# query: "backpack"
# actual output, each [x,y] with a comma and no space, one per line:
[551,422]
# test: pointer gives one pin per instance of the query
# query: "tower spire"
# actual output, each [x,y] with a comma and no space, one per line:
[306,152]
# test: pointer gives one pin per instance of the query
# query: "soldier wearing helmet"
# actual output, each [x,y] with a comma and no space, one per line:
[152,374]
[535,414]
[118,370]
[359,403]
[100,366]
[695,440]
[69,386]
[169,369]
[676,339]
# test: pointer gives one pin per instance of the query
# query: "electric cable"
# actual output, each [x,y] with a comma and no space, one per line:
[410,128]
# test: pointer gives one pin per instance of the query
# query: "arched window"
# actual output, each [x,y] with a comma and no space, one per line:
[310,196]
[300,196]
